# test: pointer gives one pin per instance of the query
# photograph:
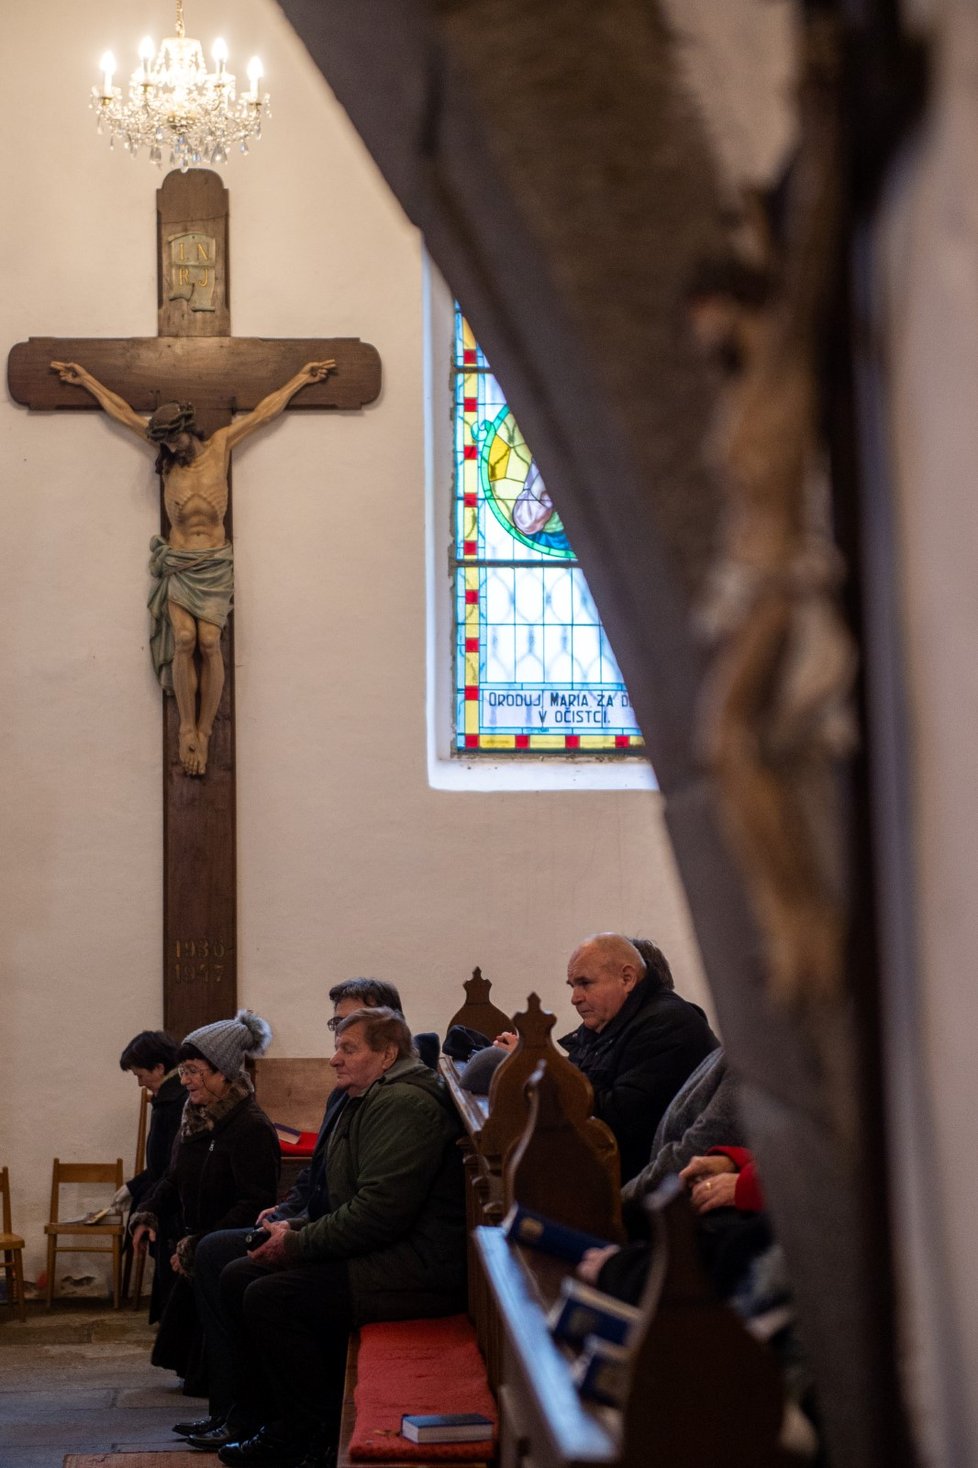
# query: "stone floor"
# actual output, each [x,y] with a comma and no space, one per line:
[77,1379]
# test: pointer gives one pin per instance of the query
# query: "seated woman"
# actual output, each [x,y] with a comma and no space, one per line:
[151,1056]
[222,1173]
[741,1257]
[390,1247]
[724,1179]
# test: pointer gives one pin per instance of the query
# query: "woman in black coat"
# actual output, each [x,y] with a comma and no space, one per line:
[151,1056]
[223,1172]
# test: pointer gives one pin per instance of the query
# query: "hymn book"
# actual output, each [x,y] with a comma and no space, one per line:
[524,1226]
[447,1427]
[582,1311]
[600,1373]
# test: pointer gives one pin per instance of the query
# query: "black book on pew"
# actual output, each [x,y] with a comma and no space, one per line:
[447,1427]
[582,1311]
[524,1226]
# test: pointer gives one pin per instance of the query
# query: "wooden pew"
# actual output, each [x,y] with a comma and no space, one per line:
[478,1012]
[293,1092]
[576,1145]
[495,1123]
[700,1391]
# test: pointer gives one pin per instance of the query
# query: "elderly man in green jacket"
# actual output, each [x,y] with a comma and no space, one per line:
[390,1247]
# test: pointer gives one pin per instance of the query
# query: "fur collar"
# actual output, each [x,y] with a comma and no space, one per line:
[197,1119]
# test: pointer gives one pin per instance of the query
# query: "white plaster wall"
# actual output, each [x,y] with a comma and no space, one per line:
[929,319]
[348,861]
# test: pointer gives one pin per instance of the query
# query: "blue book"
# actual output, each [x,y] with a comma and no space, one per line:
[447,1427]
[582,1311]
[524,1226]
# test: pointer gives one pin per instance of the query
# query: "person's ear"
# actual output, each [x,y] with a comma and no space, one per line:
[629,976]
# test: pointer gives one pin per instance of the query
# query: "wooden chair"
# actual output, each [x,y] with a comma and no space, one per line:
[129,1275]
[11,1249]
[109,1173]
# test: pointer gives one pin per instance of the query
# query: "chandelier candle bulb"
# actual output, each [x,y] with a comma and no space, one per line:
[107,65]
[146,49]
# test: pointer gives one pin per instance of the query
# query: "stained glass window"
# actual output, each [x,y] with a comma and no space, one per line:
[534,670]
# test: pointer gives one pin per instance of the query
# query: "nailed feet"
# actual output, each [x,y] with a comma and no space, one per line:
[193,751]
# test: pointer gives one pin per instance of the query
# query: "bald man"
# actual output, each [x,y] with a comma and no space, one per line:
[637,1042]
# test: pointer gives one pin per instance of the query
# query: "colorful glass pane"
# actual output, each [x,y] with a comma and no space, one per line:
[534,670]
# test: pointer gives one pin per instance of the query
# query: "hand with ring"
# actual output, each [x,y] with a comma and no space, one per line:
[701,1174]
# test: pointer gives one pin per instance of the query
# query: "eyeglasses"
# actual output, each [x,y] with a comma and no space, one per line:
[333,1024]
[191,1072]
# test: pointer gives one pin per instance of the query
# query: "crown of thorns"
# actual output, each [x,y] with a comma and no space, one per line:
[169,420]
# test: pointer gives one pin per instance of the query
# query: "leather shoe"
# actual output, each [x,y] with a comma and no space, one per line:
[202,1424]
[264,1450]
[209,1442]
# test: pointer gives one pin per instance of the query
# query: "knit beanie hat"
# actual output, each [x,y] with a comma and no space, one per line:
[226,1042]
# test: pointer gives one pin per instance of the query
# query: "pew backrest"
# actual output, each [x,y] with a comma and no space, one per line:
[478,1012]
[293,1092]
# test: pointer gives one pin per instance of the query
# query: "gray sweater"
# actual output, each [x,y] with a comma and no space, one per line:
[702,1114]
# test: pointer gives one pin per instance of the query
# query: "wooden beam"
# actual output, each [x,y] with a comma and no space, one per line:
[237,371]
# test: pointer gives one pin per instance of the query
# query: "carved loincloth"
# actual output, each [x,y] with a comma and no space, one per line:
[202,581]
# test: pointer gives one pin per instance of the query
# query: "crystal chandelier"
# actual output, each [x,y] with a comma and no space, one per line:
[174,103]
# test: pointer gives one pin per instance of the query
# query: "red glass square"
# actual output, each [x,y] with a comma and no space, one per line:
[522,741]
[472,644]
[471,596]
[471,692]
[469,547]
[469,451]
[469,357]
[472,741]
[470,500]
[572,741]
[470,405]
[622,741]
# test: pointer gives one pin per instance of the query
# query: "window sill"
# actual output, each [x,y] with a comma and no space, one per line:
[538,774]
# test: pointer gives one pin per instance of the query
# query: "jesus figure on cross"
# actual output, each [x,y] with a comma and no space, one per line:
[193,570]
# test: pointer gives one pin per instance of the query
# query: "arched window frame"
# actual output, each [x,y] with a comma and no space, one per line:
[450,767]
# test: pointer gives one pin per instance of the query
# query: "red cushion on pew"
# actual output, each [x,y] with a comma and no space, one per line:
[417,1366]
[293,1143]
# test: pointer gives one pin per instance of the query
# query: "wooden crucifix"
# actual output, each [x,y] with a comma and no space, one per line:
[195,361]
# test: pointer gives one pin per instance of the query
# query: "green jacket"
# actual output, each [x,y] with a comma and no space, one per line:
[397,1201]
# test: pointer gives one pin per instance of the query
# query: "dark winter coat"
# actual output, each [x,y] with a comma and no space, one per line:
[223,1172]
[638,1062]
[397,1203]
[702,1115]
[166,1109]
[308,1197]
